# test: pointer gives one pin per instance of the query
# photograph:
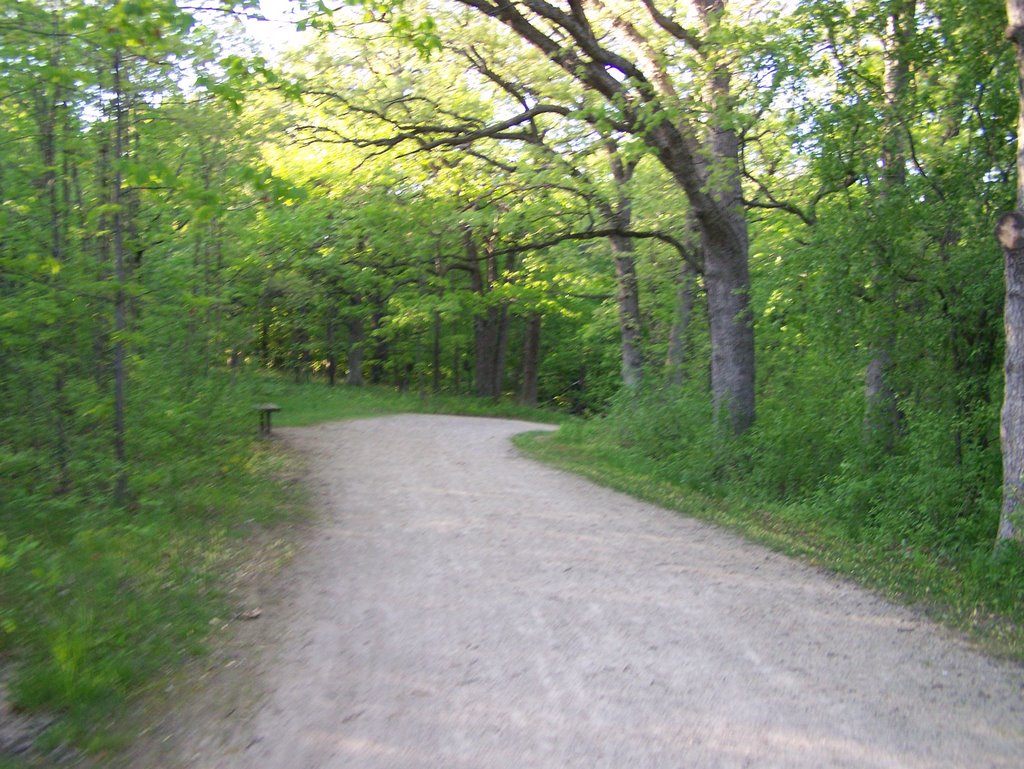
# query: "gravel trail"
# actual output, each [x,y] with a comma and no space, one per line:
[460,607]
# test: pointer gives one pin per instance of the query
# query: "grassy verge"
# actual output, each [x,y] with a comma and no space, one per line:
[306,404]
[980,596]
[98,609]
[100,605]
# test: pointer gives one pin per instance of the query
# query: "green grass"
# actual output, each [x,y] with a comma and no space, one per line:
[306,404]
[980,596]
[98,605]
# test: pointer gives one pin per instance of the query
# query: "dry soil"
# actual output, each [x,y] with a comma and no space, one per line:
[457,606]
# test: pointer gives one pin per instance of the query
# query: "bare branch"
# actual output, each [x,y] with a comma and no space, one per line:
[435,136]
[607,232]
[807,215]
[674,28]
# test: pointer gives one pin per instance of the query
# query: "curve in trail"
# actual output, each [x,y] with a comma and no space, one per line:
[461,607]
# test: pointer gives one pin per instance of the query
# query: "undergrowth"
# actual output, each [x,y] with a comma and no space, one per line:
[883,526]
[98,603]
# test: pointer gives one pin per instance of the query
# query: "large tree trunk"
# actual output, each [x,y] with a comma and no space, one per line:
[490,325]
[620,216]
[727,282]
[490,334]
[727,279]
[1010,233]
[708,173]
[722,223]
[630,322]
[881,411]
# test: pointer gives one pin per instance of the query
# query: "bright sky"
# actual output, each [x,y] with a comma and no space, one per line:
[278,31]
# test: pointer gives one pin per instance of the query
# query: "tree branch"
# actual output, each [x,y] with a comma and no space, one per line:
[607,232]
[674,28]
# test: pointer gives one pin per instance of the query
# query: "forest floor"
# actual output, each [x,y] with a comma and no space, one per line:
[455,605]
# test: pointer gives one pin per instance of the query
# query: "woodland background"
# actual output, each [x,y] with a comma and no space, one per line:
[412,196]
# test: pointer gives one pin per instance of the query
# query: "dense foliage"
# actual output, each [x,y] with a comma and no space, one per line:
[427,202]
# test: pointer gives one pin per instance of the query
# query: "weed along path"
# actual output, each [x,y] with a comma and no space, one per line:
[460,607]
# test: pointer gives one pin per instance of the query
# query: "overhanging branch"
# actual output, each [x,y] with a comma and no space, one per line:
[608,232]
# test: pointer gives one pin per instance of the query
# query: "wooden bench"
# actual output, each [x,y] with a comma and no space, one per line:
[265,410]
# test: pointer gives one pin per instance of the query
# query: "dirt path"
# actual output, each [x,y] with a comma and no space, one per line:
[460,607]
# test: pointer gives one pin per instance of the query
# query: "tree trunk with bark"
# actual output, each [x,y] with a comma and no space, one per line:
[1010,234]
[630,322]
[490,324]
[531,360]
[707,171]
[678,347]
[490,334]
[727,279]
[881,407]
[620,216]
[356,341]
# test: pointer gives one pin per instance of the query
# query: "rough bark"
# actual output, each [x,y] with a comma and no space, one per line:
[490,324]
[1010,233]
[881,407]
[1015,33]
[490,334]
[727,279]
[708,173]
[620,217]
[531,360]
[628,299]
[678,349]
[881,410]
